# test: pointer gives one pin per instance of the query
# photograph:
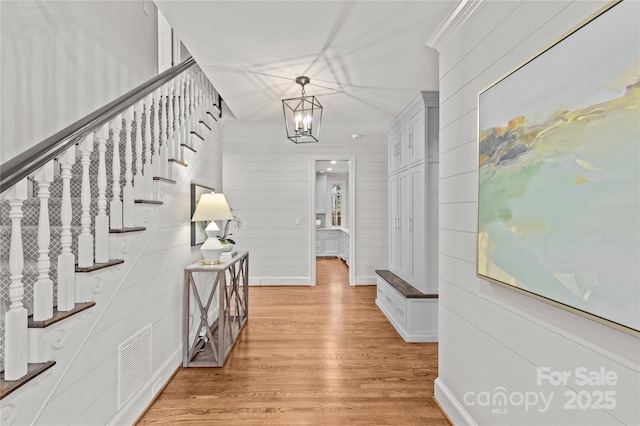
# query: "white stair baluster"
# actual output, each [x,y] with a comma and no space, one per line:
[115,207]
[188,119]
[192,123]
[176,120]
[200,113]
[189,95]
[128,208]
[155,99]
[66,260]
[191,111]
[147,168]
[138,180]
[15,319]
[43,288]
[164,132]
[102,220]
[85,239]
[183,101]
[183,125]
[170,120]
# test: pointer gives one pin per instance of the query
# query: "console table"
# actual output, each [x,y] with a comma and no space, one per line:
[209,342]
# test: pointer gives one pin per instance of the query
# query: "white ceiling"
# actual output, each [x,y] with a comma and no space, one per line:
[366,59]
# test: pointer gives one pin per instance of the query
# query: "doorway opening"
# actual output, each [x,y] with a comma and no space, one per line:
[333,212]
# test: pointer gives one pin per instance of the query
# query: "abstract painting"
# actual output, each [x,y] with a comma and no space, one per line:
[559,172]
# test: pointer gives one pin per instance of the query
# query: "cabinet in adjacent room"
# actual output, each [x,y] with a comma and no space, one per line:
[321,194]
[328,242]
[345,240]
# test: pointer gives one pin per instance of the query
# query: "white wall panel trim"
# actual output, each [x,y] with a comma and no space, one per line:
[451,406]
[474,141]
[280,281]
[506,53]
[365,280]
[540,320]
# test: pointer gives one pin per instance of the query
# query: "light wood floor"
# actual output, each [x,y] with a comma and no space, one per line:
[321,355]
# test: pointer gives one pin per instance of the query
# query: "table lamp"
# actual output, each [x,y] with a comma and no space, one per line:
[212,207]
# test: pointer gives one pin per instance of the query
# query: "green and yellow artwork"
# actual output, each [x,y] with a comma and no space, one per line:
[559,171]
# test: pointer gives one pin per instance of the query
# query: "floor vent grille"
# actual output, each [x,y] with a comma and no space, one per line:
[134,364]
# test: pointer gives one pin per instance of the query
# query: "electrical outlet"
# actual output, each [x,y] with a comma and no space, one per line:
[297,221]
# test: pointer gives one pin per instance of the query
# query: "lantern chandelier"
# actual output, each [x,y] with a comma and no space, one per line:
[302,116]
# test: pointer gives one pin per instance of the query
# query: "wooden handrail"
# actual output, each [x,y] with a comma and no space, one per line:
[35,157]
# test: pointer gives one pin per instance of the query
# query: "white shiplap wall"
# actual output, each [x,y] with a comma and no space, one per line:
[150,293]
[268,183]
[490,336]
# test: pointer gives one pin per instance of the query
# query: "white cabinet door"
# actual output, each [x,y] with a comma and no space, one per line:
[321,194]
[394,153]
[394,217]
[347,242]
[319,244]
[406,257]
[331,243]
[417,228]
[416,138]
[403,140]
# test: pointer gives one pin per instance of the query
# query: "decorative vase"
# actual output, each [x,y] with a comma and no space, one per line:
[227,247]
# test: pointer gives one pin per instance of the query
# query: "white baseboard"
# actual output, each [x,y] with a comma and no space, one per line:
[366,280]
[283,281]
[277,281]
[451,406]
[136,406]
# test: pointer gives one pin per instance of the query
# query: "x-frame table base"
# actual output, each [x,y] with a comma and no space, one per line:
[212,343]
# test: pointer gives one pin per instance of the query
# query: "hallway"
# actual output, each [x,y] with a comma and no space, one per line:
[321,355]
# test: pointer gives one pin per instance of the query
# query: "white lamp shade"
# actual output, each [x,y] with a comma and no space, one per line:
[212,207]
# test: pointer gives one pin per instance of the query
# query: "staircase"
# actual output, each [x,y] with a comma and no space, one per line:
[68,203]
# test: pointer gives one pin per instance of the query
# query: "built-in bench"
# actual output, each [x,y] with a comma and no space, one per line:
[413,314]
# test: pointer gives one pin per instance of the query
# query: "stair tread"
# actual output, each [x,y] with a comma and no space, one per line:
[58,315]
[125,230]
[33,371]
[99,266]
[173,160]
[156,202]
[162,179]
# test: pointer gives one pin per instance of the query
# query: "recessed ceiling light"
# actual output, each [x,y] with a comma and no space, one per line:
[333,161]
[321,171]
[329,169]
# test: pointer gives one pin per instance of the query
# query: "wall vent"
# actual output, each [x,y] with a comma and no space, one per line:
[134,364]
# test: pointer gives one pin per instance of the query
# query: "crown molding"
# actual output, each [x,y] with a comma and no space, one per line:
[448,27]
